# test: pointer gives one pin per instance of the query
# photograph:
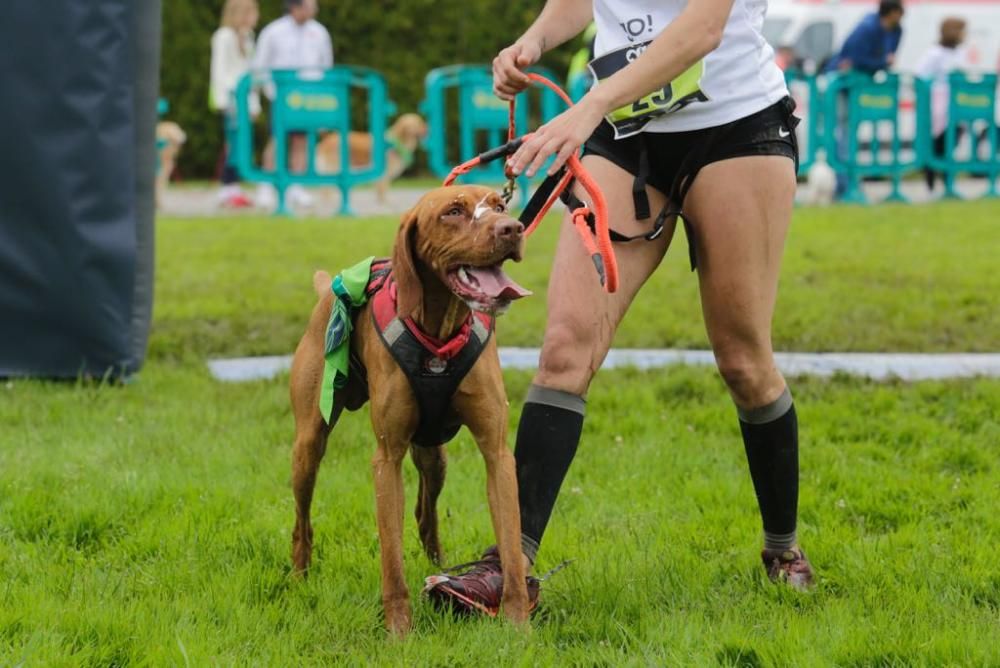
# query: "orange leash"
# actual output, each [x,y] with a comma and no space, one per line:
[590,222]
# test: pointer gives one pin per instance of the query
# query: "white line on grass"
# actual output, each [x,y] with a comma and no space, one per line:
[879,366]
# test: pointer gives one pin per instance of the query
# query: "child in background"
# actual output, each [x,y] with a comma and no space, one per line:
[232,54]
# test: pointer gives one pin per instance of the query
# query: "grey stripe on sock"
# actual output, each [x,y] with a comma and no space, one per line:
[530,547]
[779,541]
[549,397]
[768,413]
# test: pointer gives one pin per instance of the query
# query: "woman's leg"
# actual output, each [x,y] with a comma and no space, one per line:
[582,319]
[741,209]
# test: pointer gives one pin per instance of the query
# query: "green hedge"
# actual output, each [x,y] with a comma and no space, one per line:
[403,39]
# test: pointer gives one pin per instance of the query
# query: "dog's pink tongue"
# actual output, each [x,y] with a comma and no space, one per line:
[495,283]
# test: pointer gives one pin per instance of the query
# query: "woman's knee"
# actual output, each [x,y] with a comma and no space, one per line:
[750,375]
[567,359]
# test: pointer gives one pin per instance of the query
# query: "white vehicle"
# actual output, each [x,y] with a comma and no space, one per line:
[816,29]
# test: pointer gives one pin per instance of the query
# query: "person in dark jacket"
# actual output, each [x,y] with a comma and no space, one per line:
[872,45]
[870,48]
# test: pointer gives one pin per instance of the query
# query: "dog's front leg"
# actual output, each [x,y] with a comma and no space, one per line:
[501,489]
[388,475]
[482,404]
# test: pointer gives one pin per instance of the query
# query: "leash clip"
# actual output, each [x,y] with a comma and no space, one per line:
[507,194]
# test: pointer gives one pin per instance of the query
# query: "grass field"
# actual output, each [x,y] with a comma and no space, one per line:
[149,524]
[881,278]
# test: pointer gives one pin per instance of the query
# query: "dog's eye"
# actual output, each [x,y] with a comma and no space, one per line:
[500,208]
[455,211]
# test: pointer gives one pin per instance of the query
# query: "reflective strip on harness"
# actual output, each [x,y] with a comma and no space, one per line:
[393,331]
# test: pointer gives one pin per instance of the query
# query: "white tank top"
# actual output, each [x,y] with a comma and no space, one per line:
[737,79]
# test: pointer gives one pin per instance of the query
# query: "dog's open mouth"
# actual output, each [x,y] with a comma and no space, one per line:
[486,289]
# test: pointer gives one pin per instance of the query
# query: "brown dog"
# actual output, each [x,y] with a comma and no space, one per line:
[404,135]
[171,137]
[446,261]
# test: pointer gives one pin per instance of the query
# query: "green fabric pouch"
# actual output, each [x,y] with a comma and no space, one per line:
[349,295]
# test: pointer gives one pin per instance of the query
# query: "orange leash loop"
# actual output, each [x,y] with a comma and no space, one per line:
[603,249]
[602,228]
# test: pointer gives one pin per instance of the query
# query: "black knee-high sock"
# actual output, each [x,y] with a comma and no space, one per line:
[771,438]
[547,436]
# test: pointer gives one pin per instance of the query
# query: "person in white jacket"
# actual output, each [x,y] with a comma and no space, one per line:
[938,63]
[232,54]
[296,41]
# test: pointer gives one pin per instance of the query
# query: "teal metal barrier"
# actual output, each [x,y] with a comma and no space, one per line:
[482,118]
[875,103]
[971,103]
[162,107]
[312,103]
[809,107]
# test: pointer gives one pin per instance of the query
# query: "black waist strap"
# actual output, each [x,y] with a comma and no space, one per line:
[572,202]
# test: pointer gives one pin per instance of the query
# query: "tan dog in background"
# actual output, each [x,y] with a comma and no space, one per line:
[172,137]
[408,131]
[447,258]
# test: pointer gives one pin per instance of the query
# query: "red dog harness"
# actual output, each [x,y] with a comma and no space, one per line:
[434,368]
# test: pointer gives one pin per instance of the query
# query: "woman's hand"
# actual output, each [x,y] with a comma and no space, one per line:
[509,78]
[561,136]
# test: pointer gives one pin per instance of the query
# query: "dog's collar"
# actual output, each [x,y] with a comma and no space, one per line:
[385,311]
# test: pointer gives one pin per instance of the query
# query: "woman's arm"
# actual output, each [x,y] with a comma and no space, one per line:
[225,52]
[559,21]
[695,33]
[690,37]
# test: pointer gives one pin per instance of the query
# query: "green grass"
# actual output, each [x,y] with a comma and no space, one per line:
[862,279]
[149,524]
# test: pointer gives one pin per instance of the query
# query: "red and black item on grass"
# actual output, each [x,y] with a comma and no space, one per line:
[478,589]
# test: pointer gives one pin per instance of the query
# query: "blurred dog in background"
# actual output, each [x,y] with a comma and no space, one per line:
[821,182]
[169,139]
[402,140]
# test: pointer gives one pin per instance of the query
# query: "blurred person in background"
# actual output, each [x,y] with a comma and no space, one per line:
[296,41]
[870,48]
[941,60]
[232,53]
[872,45]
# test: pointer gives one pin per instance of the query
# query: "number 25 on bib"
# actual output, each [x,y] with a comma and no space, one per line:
[632,118]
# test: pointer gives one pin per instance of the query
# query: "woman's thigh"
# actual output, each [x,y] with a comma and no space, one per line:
[741,209]
[582,317]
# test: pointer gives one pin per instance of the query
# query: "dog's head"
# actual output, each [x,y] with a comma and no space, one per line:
[461,235]
[410,129]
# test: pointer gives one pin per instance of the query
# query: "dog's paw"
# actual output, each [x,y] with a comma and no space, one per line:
[398,619]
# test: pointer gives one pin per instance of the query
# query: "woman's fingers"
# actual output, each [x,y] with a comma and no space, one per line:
[561,157]
[508,79]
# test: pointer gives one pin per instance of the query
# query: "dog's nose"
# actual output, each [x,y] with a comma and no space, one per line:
[508,227]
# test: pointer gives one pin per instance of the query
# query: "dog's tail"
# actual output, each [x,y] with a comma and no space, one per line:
[321,283]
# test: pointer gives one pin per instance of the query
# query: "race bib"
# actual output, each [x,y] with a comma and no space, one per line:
[632,118]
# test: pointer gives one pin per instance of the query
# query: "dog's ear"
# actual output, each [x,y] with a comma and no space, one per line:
[409,291]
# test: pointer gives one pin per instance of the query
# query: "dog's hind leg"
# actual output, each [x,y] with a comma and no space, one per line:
[307,453]
[431,463]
